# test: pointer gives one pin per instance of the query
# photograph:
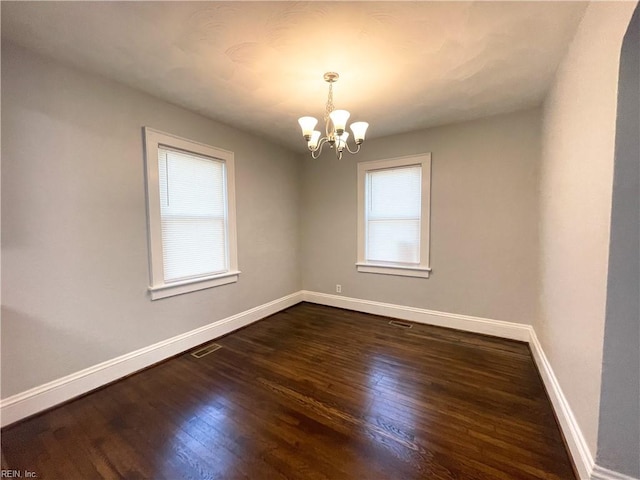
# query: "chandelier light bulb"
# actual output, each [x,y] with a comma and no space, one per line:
[359,129]
[339,119]
[313,141]
[341,141]
[307,124]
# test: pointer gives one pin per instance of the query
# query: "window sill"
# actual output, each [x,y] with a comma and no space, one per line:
[178,288]
[403,271]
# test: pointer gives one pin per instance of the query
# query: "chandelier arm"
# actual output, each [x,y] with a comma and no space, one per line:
[315,153]
[321,142]
[352,152]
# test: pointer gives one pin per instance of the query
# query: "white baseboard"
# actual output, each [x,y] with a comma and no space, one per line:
[578,448]
[45,396]
[498,328]
[601,473]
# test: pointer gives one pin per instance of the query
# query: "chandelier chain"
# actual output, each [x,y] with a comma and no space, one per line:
[330,107]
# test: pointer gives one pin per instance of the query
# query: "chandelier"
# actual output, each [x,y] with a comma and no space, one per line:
[335,125]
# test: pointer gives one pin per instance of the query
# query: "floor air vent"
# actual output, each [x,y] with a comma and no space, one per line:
[398,323]
[206,350]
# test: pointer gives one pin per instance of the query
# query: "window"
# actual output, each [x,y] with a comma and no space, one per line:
[393,216]
[191,215]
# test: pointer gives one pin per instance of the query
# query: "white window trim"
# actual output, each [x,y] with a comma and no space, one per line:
[159,288]
[423,269]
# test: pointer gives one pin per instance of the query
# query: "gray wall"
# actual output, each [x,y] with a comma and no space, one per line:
[576,181]
[74,240]
[484,220]
[619,432]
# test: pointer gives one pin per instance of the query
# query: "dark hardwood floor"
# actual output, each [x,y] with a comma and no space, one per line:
[312,392]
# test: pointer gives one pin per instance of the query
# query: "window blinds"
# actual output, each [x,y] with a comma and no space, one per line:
[193,211]
[392,215]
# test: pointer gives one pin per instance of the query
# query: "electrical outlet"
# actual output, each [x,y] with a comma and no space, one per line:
[338,288]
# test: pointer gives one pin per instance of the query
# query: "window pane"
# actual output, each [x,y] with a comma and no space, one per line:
[190,185]
[192,247]
[394,192]
[193,215]
[393,215]
[393,241]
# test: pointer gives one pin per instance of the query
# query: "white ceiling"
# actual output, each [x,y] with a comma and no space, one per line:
[258,65]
